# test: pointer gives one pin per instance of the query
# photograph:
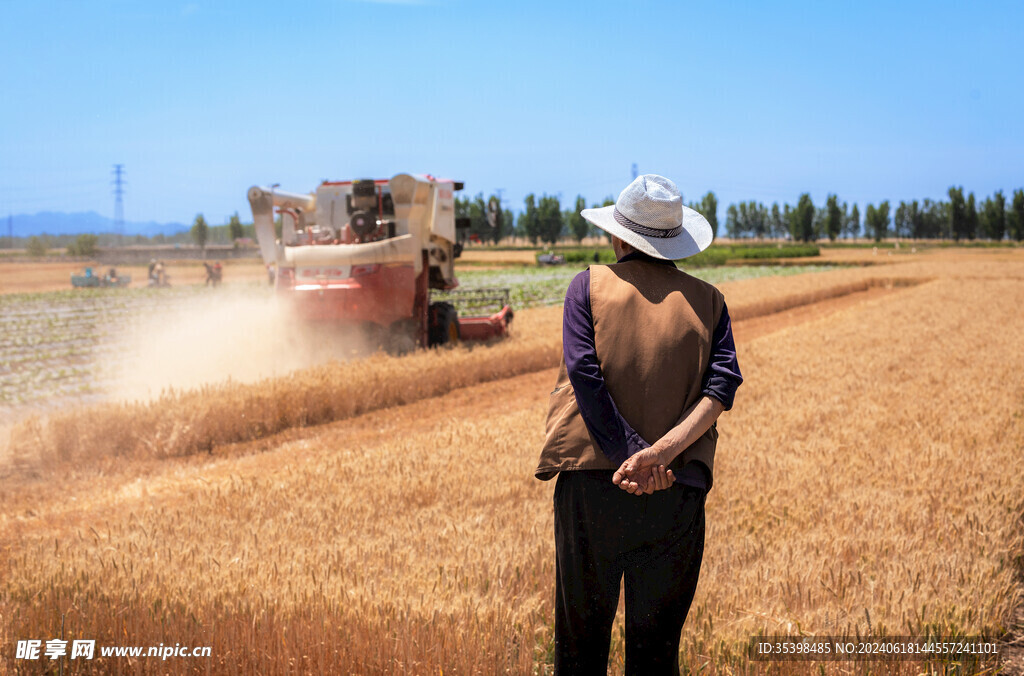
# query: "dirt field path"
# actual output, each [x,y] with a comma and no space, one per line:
[41,277]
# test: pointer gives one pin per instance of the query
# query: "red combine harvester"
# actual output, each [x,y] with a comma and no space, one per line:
[368,253]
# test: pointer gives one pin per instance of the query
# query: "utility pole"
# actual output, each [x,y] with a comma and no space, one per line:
[10,230]
[633,169]
[119,201]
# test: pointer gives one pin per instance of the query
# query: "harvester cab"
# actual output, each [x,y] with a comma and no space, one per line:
[369,253]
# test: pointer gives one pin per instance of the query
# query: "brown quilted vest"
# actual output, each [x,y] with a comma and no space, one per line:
[653,326]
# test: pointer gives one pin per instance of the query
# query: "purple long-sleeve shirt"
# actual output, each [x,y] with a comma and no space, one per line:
[617,439]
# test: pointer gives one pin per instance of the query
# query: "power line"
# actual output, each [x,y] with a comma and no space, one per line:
[119,200]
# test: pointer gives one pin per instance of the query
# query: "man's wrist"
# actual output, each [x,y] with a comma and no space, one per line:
[664,455]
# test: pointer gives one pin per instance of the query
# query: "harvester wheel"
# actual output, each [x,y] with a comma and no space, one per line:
[444,324]
[402,337]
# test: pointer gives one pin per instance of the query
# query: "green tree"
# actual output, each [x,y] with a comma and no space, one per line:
[235,230]
[760,222]
[733,226]
[971,217]
[550,219]
[819,222]
[200,231]
[747,219]
[744,225]
[833,217]
[577,224]
[853,222]
[709,210]
[529,220]
[883,217]
[916,217]
[1016,221]
[993,212]
[802,219]
[901,219]
[36,246]
[934,220]
[957,213]
[84,245]
[777,227]
[478,218]
[877,220]
[998,223]
[508,221]
[913,220]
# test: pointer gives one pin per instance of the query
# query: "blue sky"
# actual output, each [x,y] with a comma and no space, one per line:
[200,100]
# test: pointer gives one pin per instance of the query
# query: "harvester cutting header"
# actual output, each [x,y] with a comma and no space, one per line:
[368,253]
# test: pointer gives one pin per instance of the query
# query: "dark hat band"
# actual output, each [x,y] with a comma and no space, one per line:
[643,229]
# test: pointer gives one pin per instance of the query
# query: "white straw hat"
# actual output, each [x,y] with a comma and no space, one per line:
[650,216]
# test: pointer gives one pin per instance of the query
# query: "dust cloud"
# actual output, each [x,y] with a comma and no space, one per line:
[225,336]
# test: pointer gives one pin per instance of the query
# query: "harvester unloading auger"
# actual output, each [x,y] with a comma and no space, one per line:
[368,253]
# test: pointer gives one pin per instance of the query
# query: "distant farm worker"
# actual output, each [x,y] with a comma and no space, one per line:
[159,274]
[218,273]
[210,279]
[648,365]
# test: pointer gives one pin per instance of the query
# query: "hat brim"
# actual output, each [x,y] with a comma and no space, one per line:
[695,237]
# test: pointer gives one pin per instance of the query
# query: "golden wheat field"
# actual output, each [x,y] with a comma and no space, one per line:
[381,516]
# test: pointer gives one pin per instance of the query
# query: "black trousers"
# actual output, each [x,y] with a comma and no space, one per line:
[603,534]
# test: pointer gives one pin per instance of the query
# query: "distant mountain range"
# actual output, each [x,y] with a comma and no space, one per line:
[58,223]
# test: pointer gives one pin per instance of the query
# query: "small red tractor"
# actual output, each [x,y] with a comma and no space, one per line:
[369,253]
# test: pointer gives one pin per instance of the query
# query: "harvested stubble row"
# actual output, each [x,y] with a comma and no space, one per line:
[182,423]
[862,484]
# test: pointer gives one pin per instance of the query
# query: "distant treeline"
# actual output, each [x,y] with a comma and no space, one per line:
[958,219]
[87,245]
[543,220]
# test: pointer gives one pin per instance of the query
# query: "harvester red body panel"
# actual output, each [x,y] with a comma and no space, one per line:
[381,294]
[369,253]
